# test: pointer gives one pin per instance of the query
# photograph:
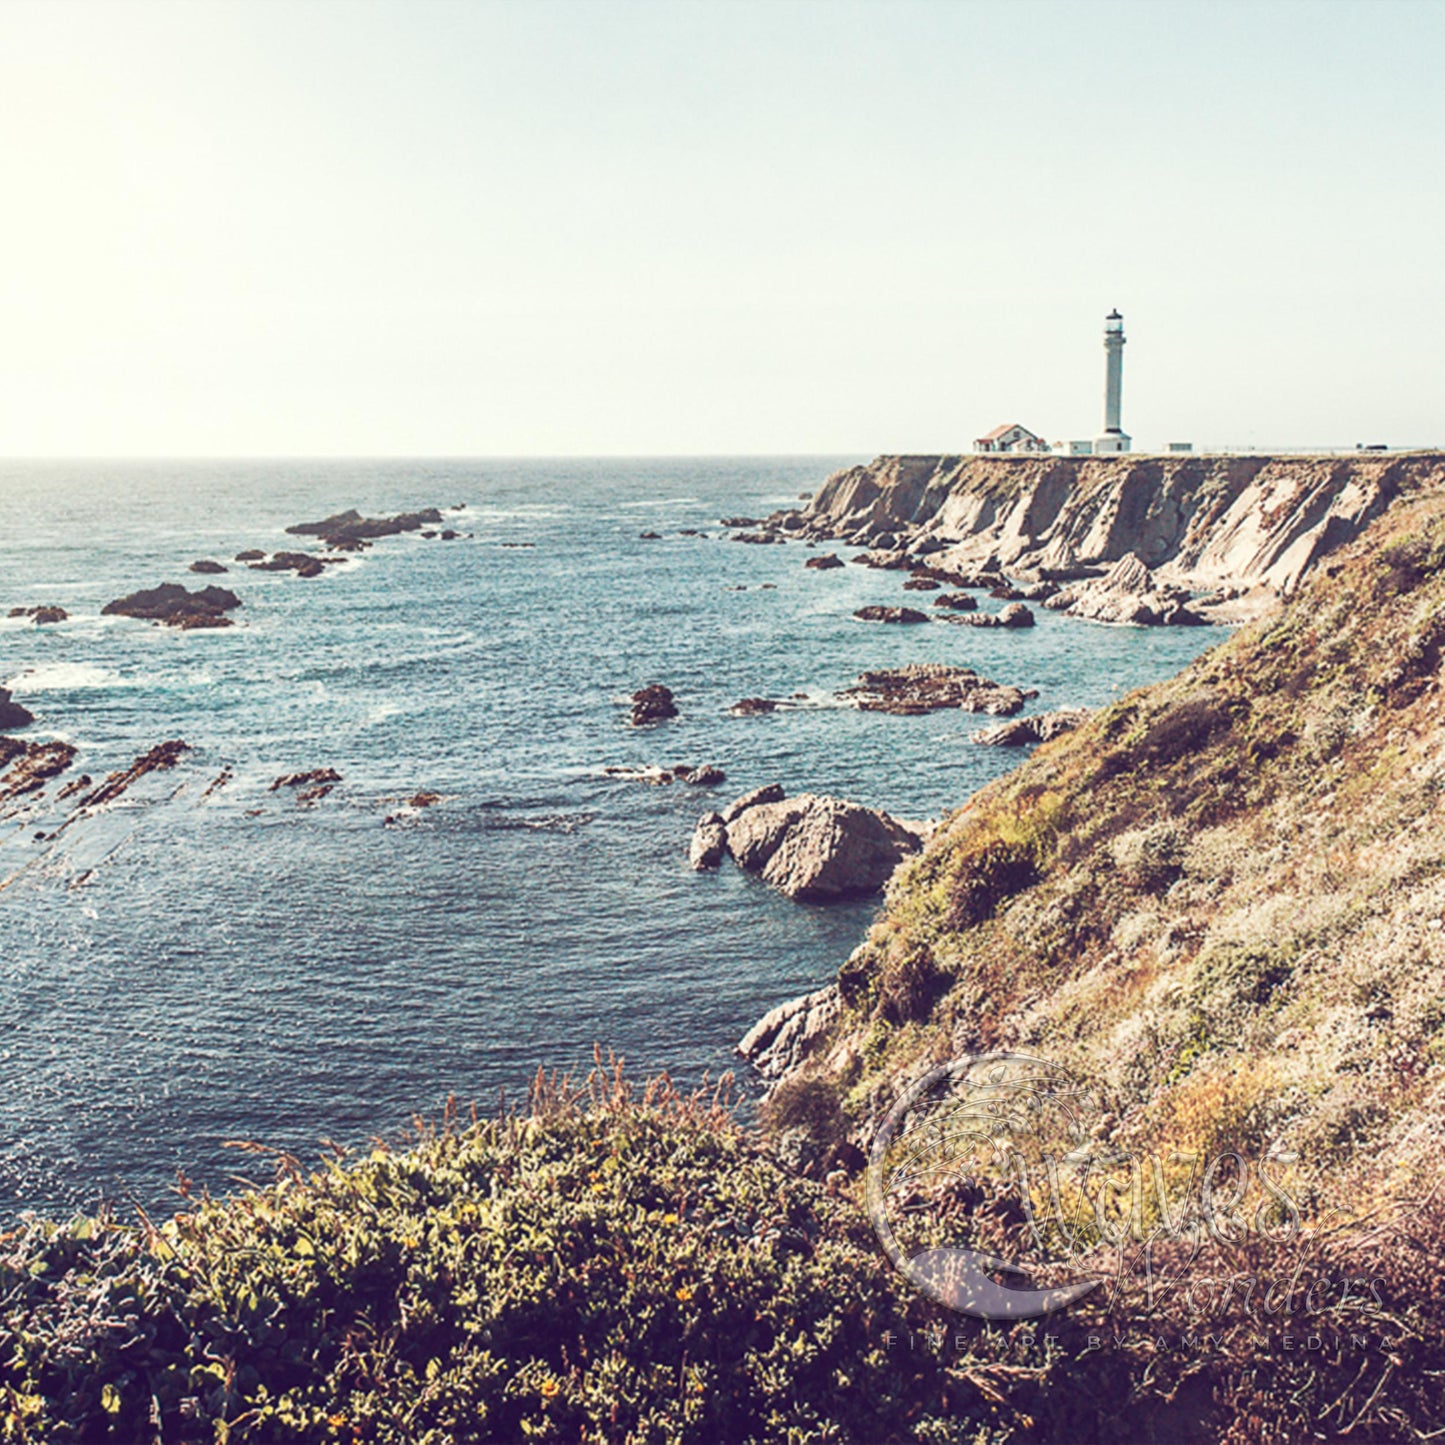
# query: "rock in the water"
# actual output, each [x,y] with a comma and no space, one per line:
[206,565]
[159,759]
[890,614]
[303,564]
[31,765]
[921,584]
[41,616]
[825,563]
[176,607]
[814,848]
[311,786]
[753,706]
[650,536]
[784,1037]
[709,842]
[768,793]
[12,715]
[651,704]
[923,687]
[251,554]
[350,531]
[738,522]
[1016,615]
[1020,732]
[957,601]
[709,775]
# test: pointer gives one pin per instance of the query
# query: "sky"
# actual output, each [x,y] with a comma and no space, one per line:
[599,227]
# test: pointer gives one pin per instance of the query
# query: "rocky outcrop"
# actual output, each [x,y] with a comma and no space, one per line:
[890,614]
[924,687]
[709,843]
[753,706]
[251,554]
[41,616]
[160,758]
[303,564]
[811,848]
[825,563]
[206,566]
[957,601]
[1129,593]
[1203,523]
[13,717]
[1020,732]
[172,605]
[27,767]
[781,1041]
[652,704]
[350,532]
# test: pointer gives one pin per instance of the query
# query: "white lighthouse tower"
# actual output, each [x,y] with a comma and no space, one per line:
[1113,438]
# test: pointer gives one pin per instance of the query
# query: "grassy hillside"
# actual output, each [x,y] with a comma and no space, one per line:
[1221,899]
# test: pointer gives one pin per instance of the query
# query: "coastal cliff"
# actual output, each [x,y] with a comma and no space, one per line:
[1221,896]
[1203,522]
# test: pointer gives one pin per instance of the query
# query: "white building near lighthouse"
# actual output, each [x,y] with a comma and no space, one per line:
[1113,438]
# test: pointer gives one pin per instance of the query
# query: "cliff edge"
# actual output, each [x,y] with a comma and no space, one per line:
[1220,524]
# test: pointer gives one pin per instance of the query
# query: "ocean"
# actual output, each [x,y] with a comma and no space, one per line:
[186,969]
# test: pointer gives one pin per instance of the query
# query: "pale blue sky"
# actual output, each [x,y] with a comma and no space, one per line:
[364,227]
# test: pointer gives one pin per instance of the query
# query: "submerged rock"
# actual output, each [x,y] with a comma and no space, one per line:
[160,758]
[923,687]
[826,563]
[315,784]
[41,616]
[753,706]
[206,565]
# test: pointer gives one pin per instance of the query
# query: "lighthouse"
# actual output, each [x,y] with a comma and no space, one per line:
[1113,438]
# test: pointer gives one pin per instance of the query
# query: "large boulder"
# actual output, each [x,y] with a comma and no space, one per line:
[709,842]
[1019,732]
[784,1037]
[652,704]
[815,848]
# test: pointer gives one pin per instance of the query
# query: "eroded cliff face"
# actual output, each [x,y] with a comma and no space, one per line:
[1241,522]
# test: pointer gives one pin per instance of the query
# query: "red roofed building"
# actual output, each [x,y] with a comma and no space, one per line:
[1010,437]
